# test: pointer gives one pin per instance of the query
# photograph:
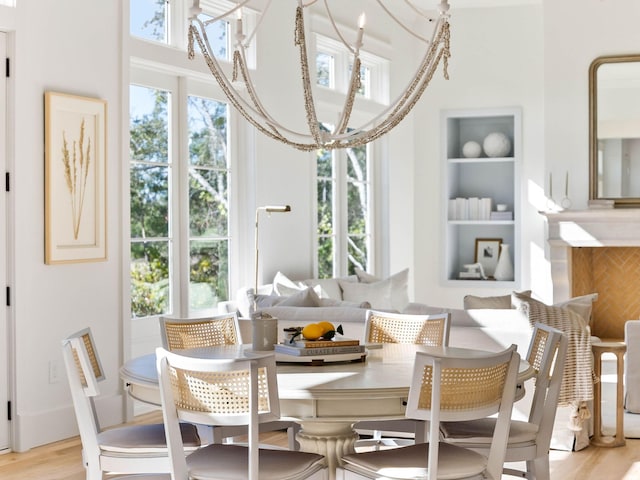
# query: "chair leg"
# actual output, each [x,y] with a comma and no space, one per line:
[217,435]
[292,431]
[422,432]
[94,472]
[539,468]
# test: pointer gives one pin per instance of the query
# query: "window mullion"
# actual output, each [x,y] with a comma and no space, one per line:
[180,203]
[340,213]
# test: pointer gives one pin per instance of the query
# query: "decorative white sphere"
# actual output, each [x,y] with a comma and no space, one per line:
[471,149]
[496,144]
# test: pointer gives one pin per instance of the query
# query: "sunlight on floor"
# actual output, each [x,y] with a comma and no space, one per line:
[633,473]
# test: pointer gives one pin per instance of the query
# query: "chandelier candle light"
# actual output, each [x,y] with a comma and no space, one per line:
[343,135]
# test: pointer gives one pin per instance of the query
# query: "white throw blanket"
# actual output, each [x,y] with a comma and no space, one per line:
[578,379]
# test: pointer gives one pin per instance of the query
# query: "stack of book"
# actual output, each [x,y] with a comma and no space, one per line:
[469,208]
[502,215]
[317,348]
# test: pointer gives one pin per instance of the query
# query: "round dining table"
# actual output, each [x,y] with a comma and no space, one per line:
[326,399]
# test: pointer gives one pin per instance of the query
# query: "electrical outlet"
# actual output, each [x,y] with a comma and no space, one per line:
[54,371]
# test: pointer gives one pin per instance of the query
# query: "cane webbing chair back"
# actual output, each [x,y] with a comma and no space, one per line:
[446,386]
[183,333]
[86,360]
[222,393]
[461,387]
[239,391]
[383,327]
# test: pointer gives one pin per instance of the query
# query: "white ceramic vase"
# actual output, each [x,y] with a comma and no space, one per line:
[504,268]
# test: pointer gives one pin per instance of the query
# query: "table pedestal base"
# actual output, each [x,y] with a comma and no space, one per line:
[331,439]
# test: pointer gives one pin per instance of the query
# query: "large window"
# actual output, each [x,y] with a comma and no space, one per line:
[179,228]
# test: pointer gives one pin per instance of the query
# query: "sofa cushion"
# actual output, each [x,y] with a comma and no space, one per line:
[399,287]
[378,294]
[283,285]
[502,301]
[303,298]
[324,287]
[329,287]
[330,302]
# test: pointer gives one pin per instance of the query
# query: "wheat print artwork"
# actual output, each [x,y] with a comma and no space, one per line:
[76,170]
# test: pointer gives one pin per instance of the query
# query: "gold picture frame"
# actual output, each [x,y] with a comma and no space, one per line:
[75,178]
[487,253]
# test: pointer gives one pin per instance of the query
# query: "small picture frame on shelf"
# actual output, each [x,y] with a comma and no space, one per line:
[487,253]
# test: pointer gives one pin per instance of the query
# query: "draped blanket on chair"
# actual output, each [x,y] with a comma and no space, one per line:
[578,378]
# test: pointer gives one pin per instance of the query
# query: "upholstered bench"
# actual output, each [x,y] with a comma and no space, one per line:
[631,371]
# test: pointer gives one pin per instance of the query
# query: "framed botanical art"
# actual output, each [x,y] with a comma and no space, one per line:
[75,178]
[487,253]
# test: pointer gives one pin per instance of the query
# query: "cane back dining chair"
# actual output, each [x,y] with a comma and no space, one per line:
[530,440]
[447,387]
[126,449]
[386,327]
[184,333]
[227,391]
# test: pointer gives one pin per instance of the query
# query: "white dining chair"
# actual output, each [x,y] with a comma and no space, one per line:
[448,388]
[388,327]
[230,391]
[183,333]
[530,440]
[126,449]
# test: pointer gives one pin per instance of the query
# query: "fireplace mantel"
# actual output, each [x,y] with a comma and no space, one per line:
[606,227]
[613,275]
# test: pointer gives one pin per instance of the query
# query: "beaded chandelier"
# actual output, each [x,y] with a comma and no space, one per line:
[343,135]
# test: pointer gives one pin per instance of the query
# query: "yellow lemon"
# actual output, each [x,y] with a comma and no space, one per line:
[313,331]
[326,326]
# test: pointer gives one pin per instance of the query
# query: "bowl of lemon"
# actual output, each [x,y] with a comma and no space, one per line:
[322,330]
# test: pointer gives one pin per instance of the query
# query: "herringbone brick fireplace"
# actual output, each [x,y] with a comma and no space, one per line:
[598,251]
[614,273]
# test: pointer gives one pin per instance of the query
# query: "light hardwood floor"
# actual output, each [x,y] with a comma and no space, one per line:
[62,461]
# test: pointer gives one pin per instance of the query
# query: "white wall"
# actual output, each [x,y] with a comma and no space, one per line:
[73,47]
[497,61]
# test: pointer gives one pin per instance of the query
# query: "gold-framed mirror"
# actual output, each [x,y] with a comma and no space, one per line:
[614,130]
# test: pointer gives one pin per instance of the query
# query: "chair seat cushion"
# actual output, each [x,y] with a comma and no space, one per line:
[229,462]
[150,438]
[480,432]
[412,462]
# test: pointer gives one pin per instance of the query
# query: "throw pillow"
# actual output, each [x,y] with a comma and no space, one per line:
[282,283]
[365,277]
[399,286]
[328,287]
[263,301]
[303,298]
[582,305]
[378,294]
[502,301]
